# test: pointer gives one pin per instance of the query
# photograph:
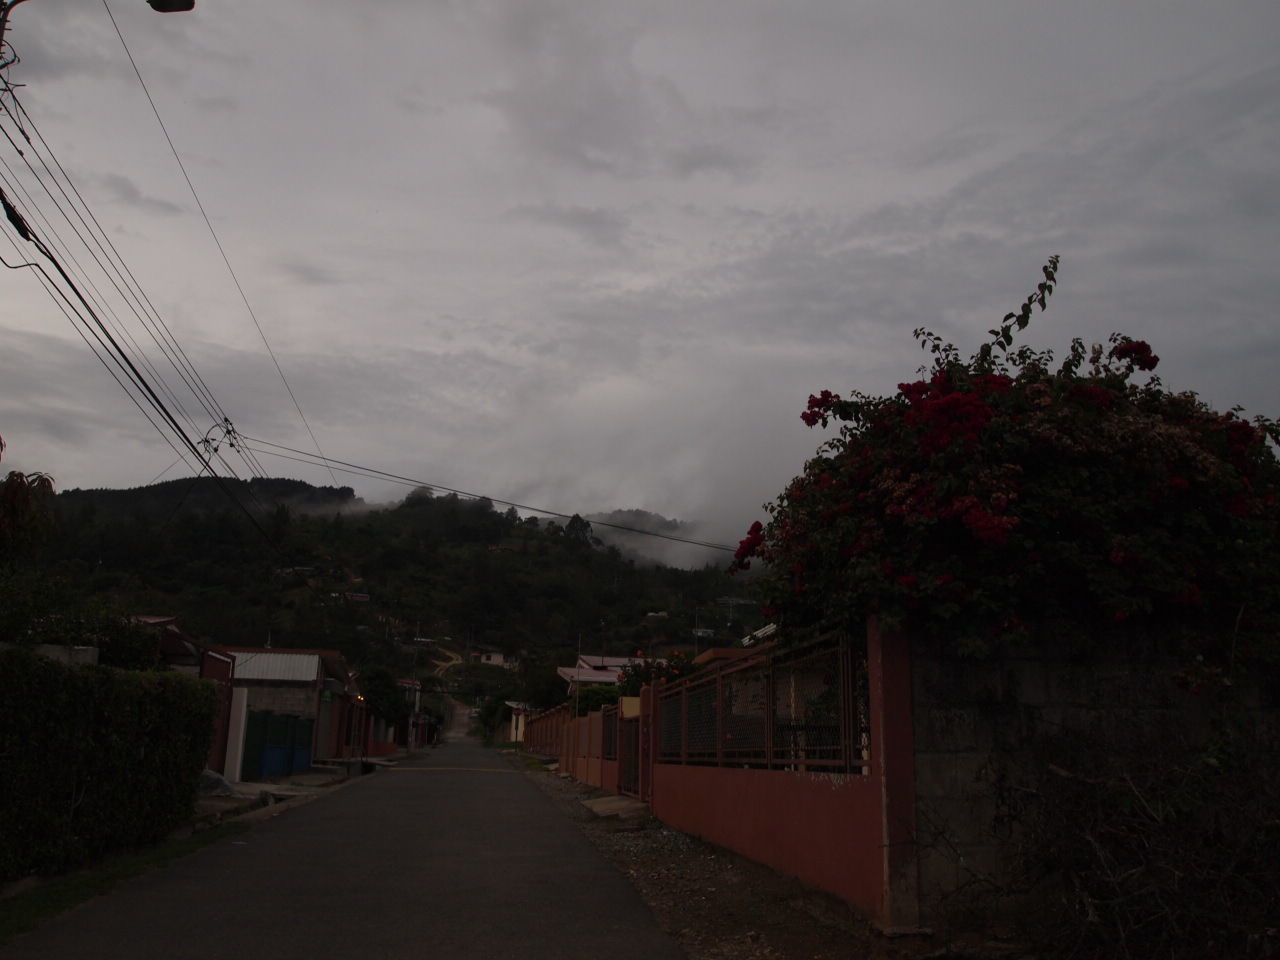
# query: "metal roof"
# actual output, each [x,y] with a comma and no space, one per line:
[588,675]
[596,662]
[276,665]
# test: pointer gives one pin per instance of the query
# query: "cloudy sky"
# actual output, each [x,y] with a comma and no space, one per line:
[597,255]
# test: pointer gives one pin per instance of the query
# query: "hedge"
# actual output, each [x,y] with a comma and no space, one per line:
[94,759]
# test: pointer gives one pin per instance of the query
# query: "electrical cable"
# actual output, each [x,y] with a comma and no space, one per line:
[217,242]
[159,331]
[15,185]
[121,358]
[373,473]
[67,310]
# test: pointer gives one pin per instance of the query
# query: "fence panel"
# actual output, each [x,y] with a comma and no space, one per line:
[610,718]
[800,709]
[629,748]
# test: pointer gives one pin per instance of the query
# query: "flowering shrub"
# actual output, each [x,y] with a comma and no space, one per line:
[1000,492]
[648,672]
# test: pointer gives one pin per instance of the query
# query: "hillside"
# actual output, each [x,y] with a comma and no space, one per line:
[332,572]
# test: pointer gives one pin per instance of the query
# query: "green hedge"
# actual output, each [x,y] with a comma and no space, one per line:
[94,759]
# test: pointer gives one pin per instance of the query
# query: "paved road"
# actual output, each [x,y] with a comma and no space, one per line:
[454,855]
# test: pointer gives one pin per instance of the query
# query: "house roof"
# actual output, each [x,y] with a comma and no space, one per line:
[588,675]
[717,654]
[596,662]
[288,664]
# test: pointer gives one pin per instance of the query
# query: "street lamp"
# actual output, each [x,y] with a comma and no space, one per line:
[160,6]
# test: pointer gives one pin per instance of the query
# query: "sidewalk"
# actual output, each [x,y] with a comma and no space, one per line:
[452,854]
[212,809]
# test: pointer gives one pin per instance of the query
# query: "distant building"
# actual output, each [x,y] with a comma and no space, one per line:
[596,670]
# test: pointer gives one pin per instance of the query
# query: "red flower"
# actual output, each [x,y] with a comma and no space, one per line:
[748,546]
[819,408]
[1091,395]
[988,528]
[1136,353]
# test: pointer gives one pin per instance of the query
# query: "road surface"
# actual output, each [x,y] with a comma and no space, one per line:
[451,855]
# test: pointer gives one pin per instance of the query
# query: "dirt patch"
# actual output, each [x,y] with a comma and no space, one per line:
[721,906]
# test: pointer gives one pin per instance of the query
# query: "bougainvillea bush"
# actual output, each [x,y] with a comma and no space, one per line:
[1007,491]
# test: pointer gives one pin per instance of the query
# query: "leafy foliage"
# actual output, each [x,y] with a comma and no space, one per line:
[1137,845]
[116,763]
[591,698]
[999,492]
[440,567]
[25,512]
[650,671]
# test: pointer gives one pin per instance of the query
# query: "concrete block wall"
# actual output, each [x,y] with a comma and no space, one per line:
[300,700]
[976,721]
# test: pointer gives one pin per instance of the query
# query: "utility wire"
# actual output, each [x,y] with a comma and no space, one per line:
[157,328]
[159,331]
[373,473]
[15,185]
[217,242]
[119,356]
[68,311]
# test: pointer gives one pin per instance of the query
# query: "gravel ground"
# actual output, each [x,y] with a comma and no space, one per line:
[721,906]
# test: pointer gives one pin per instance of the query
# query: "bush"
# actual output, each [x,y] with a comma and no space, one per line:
[592,698]
[998,494]
[1133,845]
[95,759]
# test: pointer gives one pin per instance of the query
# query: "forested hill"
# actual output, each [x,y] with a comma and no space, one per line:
[207,494]
[317,568]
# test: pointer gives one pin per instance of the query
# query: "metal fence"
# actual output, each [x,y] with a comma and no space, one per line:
[629,774]
[799,709]
[609,747]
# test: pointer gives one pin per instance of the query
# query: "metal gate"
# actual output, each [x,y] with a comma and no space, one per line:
[276,745]
[629,758]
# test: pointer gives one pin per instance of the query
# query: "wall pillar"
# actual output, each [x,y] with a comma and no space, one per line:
[893,764]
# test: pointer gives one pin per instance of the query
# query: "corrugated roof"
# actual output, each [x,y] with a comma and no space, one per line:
[596,662]
[585,675]
[276,665]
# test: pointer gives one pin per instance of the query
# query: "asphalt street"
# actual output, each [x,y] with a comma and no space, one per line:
[450,855]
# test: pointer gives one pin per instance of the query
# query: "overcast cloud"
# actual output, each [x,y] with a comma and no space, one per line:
[596,256]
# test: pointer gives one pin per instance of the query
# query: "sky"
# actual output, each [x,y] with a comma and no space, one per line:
[588,256]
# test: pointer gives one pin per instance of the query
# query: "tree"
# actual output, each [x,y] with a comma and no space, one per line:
[25,511]
[998,493]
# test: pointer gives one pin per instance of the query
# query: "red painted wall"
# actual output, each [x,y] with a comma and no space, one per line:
[219,669]
[609,775]
[824,829]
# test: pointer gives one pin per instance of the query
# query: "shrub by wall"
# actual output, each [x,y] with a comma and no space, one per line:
[94,759]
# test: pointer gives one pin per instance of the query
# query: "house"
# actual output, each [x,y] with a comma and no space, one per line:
[492,656]
[290,707]
[520,713]
[595,670]
[580,676]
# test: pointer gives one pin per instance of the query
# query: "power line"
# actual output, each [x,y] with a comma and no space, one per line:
[68,311]
[217,242]
[373,473]
[118,355]
[158,330]
[104,307]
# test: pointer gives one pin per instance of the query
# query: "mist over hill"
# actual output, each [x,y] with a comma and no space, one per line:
[244,562]
[608,527]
